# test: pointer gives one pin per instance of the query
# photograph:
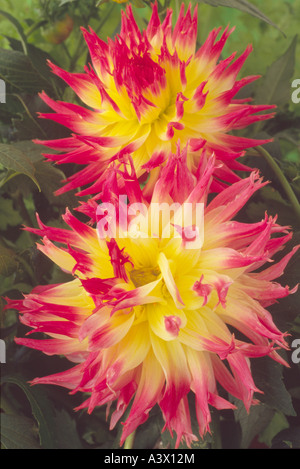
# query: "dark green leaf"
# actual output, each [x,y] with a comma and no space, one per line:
[32,150]
[285,311]
[148,433]
[244,6]
[30,127]
[138,3]
[18,27]
[18,432]
[50,179]
[57,429]
[8,264]
[66,432]
[39,60]
[276,425]
[252,423]
[94,430]
[6,331]
[48,176]
[15,159]
[8,215]
[287,439]
[275,87]
[41,409]
[271,200]
[17,70]
[268,378]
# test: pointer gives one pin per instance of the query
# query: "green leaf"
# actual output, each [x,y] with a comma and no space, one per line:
[274,202]
[251,423]
[275,87]
[7,331]
[15,159]
[57,429]
[66,431]
[8,264]
[244,6]
[138,3]
[41,410]
[276,425]
[295,392]
[18,27]
[148,433]
[39,60]
[50,179]
[285,310]
[287,439]
[8,215]
[17,70]
[268,378]
[48,176]
[18,432]
[32,150]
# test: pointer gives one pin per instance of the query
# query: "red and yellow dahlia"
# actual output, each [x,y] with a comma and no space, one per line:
[146,319]
[144,92]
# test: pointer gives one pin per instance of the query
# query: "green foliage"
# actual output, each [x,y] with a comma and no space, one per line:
[274,88]
[243,6]
[18,432]
[15,160]
[56,429]
[42,417]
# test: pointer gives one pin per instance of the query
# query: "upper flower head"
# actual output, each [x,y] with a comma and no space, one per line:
[147,319]
[145,91]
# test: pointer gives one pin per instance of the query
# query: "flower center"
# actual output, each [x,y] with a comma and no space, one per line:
[136,70]
[140,277]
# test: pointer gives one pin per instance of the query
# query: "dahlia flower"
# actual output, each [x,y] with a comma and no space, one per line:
[146,319]
[144,92]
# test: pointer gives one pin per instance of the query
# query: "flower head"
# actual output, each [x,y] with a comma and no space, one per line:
[149,319]
[144,92]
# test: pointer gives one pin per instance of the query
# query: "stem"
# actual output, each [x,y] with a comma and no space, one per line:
[282,179]
[5,405]
[28,269]
[66,50]
[34,26]
[177,8]
[81,43]
[216,432]
[103,21]
[76,54]
[8,177]
[129,441]
[17,196]
[29,114]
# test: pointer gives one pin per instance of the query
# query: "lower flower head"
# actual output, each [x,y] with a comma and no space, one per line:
[147,320]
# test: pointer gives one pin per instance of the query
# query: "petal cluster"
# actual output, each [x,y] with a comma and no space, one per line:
[145,91]
[147,319]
